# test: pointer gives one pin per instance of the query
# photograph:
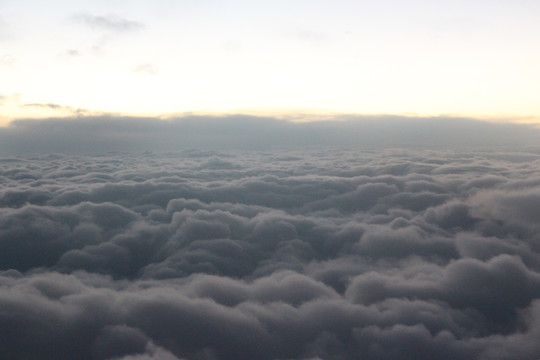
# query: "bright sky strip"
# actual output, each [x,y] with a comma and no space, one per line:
[474,58]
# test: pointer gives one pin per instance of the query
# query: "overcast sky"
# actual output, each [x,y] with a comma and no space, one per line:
[474,58]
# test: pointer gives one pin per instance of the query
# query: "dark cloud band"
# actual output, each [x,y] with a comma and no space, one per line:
[91,135]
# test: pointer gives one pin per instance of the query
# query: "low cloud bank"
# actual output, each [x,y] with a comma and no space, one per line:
[91,135]
[298,254]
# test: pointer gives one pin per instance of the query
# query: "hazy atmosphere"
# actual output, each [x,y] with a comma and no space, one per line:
[239,180]
[462,58]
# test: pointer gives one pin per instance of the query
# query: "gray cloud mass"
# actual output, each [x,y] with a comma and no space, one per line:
[285,247]
[100,134]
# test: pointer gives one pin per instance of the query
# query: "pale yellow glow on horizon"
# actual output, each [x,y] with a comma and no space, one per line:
[13,113]
[464,59]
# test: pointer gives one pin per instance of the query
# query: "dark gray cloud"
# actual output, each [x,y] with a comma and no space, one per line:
[307,252]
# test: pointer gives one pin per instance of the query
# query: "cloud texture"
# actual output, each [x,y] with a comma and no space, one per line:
[297,254]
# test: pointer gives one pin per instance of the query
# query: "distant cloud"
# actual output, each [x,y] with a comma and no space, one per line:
[250,132]
[10,99]
[232,47]
[109,22]
[107,27]
[4,29]
[146,68]
[50,109]
[7,60]
[305,35]
[73,52]
[53,106]
[49,106]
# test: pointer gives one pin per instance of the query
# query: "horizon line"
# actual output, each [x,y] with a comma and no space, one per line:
[53,111]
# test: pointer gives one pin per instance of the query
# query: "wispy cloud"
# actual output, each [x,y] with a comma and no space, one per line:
[12,99]
[4,32]
[7,60]
[106,27]
[306,35]
[146,68]
[49,106]
[56,108]
[110,22]
[73,52]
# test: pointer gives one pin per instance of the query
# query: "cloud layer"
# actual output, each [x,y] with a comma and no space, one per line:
[100,134]
[297,254]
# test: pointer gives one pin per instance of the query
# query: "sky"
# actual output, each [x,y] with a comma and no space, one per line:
[160,58]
